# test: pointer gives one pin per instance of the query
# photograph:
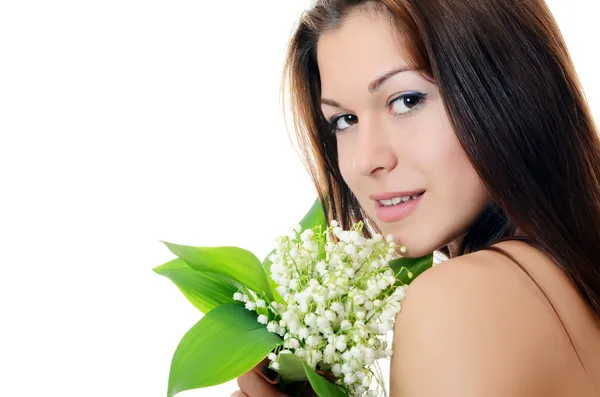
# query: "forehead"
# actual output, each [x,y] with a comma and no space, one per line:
[361,48]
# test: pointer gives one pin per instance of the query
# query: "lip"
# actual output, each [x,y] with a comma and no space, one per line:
[399,211]
[391,195]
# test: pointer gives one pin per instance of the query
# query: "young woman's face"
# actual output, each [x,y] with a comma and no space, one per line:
[394,138]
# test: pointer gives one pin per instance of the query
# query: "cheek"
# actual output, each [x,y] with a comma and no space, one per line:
[345,163]
[448,164]
[459,193]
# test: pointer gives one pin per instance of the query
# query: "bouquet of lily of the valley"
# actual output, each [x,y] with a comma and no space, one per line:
[321,303]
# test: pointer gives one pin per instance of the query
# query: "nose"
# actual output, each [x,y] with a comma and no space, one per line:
[374,152]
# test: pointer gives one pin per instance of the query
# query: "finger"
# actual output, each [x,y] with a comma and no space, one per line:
[239,393]
[254,385]
[267,373]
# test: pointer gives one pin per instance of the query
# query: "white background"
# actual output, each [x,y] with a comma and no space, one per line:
[123,123]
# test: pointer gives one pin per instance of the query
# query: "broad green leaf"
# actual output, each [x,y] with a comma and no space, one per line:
[291,368]
[322,386]
[314,217]
[232,262]
[415,266]
[204,290]
[226,343]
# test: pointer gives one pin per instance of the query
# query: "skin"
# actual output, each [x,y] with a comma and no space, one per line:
[461,348]
[384,148]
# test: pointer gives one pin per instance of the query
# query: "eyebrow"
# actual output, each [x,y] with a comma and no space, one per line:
[373,86]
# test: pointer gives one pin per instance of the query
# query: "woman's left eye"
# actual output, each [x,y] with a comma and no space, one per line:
[406,103]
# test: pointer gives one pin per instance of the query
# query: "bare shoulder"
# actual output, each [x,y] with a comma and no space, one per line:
[476,325]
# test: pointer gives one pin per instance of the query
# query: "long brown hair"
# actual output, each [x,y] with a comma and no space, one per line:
[516,105]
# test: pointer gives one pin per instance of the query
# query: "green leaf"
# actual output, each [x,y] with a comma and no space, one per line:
[415,266]
[322,386]
[204,290]
[291,368]
[314,217]
[232,262]
[226,343]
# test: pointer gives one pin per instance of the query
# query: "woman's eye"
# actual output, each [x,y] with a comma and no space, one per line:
[342,122]
[406,103]
[400,105]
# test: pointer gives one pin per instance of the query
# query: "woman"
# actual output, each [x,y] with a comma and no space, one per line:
[460,126]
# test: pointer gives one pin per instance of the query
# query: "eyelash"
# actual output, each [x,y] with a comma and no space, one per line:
[421,96]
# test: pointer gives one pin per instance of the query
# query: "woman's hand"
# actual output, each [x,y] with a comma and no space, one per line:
[262,381]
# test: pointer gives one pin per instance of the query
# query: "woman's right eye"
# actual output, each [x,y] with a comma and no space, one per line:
[340,123]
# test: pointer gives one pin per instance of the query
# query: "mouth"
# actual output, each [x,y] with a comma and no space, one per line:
[393,207]
[394,201]
[397,198]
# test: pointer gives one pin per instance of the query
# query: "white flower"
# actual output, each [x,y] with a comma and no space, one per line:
[292,344]
[313,340]
[330,316]
[320,298]
[337,307]
[303,333]
[345,325]
[382,283]
[272,327]
[400,292]
[293,326]
[321,267]
[350,249]
[349,379]
[336,369]
[332,311]
[307,234]
[347,356]
[282,290]
[262,319]
[340,343]
[275,365]
[250,305]
[346,368]
[349,272]
[310,320]
[272,356]
[237,296]
[360,299]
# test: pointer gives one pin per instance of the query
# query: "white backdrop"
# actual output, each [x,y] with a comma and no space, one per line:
[123,123]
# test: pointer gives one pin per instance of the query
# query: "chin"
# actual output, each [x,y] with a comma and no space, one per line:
[417,251]
[416,244]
